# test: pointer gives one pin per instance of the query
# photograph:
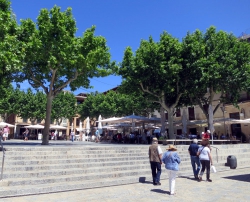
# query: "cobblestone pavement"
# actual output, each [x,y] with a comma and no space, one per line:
[230,185]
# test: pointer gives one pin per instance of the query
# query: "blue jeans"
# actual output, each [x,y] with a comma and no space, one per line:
[156,171]
[195,160]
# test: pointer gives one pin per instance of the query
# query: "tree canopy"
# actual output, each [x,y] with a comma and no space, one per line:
[63,106]
[113,103]
[10,46]
[224,63]
[157,67]
[55,58]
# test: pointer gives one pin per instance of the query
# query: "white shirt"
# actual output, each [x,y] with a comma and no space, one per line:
[159,150]
[204,153]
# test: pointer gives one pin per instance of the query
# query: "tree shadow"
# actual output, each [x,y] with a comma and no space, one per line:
[160,191]
[244,177]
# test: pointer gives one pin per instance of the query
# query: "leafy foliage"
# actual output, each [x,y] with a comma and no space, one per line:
[55,58]
[224,67]
[110,104]
[32,105]
[63,106]
[10,46]
[157,67]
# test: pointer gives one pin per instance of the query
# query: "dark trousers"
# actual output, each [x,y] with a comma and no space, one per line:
[156,171]
[205,165]
[148,139]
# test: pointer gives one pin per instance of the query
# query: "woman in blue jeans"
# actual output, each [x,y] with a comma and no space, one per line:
[171,160]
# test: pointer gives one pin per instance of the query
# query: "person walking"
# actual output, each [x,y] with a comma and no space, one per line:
[195,160]
[171,160]
[26,134]
[148,136]
[155,154]
[1,133]
[204,154]
[6,132]
[72,134]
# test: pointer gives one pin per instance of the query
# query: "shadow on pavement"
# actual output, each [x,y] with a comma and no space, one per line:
[244,178]
[160,191]
[189,178]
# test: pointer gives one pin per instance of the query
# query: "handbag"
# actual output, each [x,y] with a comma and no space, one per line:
[213,169]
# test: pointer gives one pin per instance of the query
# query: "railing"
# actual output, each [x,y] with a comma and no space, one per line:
[3,149]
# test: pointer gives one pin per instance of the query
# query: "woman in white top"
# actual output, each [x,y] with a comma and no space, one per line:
[205,159]
[6,131]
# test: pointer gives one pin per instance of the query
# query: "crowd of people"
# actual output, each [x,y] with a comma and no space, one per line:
[200,156]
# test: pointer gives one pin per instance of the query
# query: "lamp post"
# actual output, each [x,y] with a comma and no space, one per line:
[223,111]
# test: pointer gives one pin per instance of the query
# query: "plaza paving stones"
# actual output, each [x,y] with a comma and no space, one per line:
[231,185]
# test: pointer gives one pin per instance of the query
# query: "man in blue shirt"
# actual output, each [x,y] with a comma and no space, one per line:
[193,149]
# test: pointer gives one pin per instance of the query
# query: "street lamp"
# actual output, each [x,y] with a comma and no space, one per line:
[223,109]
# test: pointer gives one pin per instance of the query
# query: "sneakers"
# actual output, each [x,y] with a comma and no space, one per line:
[208,180]
[200,179]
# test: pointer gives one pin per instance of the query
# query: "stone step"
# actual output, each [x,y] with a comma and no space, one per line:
[20,190]
[73,160]
[86,170]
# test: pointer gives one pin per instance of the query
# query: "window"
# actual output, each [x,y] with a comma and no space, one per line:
[39,121]
[25,120]
[166,116]
[235,115]
[77,122]
[178,113]
[191,113]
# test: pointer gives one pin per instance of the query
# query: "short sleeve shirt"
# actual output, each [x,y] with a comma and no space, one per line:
[204,153]
[159,150]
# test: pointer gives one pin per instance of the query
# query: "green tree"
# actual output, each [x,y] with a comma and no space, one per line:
[63,106]
[9,102]
[55,58]
[158,69]
[112,103]
[32,105]
[10,46]
[224,67]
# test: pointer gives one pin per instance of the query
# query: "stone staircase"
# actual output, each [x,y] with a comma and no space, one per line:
[44,169]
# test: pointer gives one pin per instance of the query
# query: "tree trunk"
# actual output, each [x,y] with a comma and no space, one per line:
[47,120]
[163,121]
[171,123]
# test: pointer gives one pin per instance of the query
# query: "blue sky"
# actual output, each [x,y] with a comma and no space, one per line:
[125,22]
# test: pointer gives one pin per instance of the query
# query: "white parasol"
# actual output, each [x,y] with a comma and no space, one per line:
[100,124]
[3,124]
[87,126]
[57,127]
[35,126]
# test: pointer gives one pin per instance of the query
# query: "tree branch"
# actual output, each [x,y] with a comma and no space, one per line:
[147,91]
[37,81]
[67,83]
